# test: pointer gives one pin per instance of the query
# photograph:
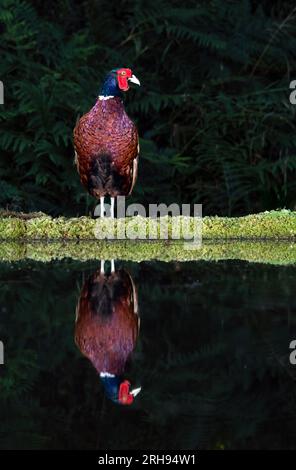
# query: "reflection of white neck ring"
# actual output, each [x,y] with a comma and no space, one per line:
[106,374]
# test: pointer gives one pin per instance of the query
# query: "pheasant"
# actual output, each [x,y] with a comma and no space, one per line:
[106,142]
[106,330]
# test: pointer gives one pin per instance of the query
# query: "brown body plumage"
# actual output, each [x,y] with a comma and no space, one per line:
[107,321]
[106,149]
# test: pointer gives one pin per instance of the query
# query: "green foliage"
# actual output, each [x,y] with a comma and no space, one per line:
[213,111]
[44,72]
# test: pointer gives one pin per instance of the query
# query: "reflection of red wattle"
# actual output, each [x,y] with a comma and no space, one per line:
[125,398]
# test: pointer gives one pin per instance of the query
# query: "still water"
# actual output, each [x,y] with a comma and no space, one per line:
[207,343]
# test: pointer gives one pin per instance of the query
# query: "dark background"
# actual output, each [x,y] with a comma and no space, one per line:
[213,110]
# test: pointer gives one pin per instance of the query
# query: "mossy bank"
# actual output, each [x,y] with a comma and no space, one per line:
[274,225]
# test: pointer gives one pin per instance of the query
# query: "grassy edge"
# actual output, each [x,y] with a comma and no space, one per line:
[267,225]
[277,253]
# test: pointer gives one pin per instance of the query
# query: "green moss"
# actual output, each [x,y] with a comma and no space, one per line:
[267,225]
[60,228]
[12,228]
[274,224]
[279,253]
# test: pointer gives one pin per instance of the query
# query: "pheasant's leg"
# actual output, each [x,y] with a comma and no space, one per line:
[102,270]
[102,206]
[112,266]
[112,206]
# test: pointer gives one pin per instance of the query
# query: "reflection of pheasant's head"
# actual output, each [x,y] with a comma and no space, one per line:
[118,389]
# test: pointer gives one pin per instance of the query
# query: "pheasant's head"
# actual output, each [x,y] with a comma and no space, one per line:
[117,81]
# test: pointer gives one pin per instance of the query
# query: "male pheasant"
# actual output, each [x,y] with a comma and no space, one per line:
[106,142]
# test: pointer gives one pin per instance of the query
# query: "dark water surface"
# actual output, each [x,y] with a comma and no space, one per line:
[212,357]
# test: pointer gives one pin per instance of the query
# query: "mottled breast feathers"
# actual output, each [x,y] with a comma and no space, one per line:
[106,149]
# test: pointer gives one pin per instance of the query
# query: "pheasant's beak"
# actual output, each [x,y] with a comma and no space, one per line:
[135,391]
[134,80]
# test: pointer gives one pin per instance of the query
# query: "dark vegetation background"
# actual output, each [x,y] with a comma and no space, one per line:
[213,111]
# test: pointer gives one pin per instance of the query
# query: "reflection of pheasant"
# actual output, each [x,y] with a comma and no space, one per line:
[106,142]
[107,329]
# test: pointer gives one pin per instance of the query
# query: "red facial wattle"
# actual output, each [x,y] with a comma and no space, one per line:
[124,396]
[122,78]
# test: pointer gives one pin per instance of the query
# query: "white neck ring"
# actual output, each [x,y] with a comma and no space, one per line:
[102,97]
